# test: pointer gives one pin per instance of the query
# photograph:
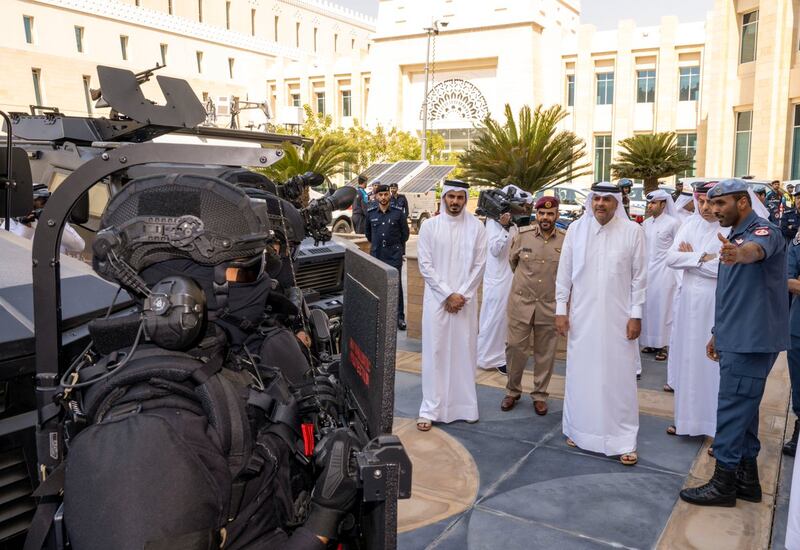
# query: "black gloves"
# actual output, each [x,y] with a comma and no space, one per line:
[336,488]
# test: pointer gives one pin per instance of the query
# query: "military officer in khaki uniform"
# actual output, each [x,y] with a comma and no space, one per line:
[534,256]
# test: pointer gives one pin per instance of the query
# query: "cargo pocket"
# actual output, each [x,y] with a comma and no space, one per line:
[750,387]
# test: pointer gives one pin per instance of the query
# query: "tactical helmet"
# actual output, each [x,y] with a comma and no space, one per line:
[178,216]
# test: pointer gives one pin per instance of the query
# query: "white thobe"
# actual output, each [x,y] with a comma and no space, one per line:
[451,253]
[793,527]
[601,406]
[659,233]
[695,377]
[496,287]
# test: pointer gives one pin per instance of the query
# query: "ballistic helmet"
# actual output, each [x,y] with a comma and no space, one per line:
[178,216]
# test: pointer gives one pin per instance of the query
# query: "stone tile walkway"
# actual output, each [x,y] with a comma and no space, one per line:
[530,490]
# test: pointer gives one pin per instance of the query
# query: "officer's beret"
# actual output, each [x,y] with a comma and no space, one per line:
[702,187]
[625,182]
[728,187]
[381,188]
[760,189]
[796,190]
[362,178]
[546,202]
[393,184]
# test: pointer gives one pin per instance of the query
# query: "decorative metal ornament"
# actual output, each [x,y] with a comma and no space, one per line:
[456,99]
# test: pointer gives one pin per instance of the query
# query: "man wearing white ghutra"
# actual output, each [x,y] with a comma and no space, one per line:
[600,292]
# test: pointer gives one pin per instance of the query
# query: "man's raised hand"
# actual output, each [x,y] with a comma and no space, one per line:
[729,253]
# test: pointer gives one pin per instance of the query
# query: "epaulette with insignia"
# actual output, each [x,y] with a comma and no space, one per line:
[796,239]
[372,207]
[562,231]
[527,228]
[393,207]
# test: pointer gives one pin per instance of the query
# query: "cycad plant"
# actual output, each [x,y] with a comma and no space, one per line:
[531,153]
[649,157]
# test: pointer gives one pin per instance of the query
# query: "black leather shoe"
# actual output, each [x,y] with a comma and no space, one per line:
[401,324]
[719,491]
[790,447]
[747,484]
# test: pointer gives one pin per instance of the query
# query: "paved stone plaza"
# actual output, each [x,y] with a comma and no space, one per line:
[511,481]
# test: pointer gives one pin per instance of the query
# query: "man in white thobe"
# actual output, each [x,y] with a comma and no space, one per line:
[659,232]
[25,227]
[496,285]
[451,253]
[600,292]
[684,206]
[695,254]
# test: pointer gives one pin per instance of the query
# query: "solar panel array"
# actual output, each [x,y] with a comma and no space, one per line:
[400,170]
[371,173]
[426,180]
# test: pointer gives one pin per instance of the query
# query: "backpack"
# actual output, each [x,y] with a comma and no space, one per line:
[180,454]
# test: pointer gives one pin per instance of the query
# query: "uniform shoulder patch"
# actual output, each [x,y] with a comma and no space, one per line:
[372,207]
[761,231]
[561,231]
[526,228]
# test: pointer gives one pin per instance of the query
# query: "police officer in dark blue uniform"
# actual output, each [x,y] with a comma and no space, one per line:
[387,232]
[790,221]
[398,200]
[775,202]
[793,264]
[750,329]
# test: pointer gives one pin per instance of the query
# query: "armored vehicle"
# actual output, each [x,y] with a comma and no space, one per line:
[84,161]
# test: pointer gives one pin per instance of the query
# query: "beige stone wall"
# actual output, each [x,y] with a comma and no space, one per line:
[237,30]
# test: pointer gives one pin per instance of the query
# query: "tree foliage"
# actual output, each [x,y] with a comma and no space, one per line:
[650,157]
[327,155]
[531,153]
[369,146]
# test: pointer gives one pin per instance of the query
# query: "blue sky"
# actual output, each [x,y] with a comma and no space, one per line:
[603,13]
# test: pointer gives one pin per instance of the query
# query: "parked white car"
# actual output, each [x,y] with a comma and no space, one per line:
[570,200]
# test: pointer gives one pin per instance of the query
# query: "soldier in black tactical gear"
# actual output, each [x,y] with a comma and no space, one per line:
[187,438]
[387,232]
[398,200]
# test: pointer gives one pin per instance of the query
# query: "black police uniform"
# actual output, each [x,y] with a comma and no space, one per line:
[790,222]
[387,233]
[401,202]
[774,203]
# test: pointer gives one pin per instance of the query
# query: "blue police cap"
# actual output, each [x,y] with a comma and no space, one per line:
[727,187]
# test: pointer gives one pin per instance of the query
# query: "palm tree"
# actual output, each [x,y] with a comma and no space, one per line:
[531,154]
[650,157]
[326,156]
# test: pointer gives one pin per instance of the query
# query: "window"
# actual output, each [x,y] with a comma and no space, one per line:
[347,104]
[749,37]
[164,48]
[605,88]
[231,62]
[741,159]
[37,85]
[646,86]
[320,102]
[570,90]
[602,157]
[87,92]
[79,38]
[295,99]
[276,28]
[297,35]
[335,42]
[169,7]
[315,39]
[27,21]
[688,144]
[200,10]
[123,46]
[228,15]
[690,83]
[199,56]
[796,144]
[253,22]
